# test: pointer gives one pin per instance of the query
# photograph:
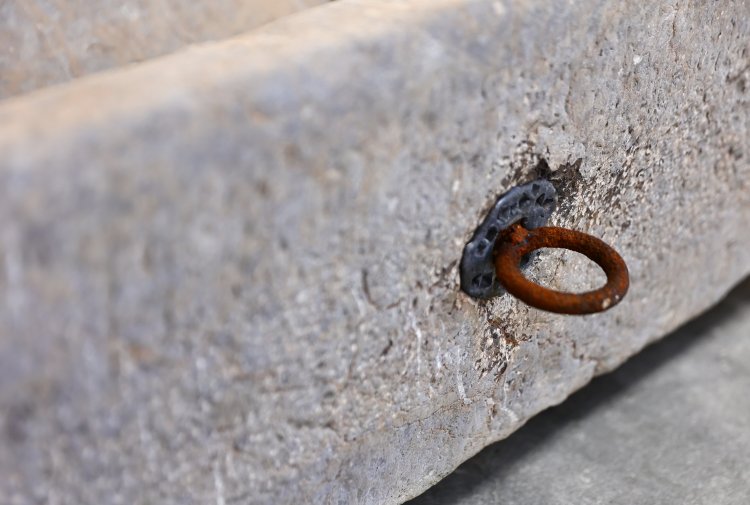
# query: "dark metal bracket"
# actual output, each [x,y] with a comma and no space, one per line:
[530,204]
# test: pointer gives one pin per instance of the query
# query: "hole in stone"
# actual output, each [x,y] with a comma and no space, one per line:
[527,259]
[524,201]
[540,200]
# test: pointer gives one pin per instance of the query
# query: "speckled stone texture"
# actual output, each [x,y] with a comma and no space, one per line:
[669,426]
[45,42]
[230,275]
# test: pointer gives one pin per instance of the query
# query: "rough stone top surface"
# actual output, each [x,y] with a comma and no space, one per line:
[48,42]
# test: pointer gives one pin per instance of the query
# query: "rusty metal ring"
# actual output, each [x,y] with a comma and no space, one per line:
[518,242]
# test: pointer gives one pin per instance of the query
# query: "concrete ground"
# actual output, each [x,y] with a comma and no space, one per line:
[671,426]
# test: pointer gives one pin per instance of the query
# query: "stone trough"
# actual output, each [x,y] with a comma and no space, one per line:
[230,274]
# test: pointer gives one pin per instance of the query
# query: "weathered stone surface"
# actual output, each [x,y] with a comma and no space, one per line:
[230,275]
[670,426]
[47,42]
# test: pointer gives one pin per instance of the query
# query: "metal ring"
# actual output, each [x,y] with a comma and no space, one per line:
[518,242]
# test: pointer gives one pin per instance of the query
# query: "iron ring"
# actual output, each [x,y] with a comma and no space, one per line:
[517,242]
